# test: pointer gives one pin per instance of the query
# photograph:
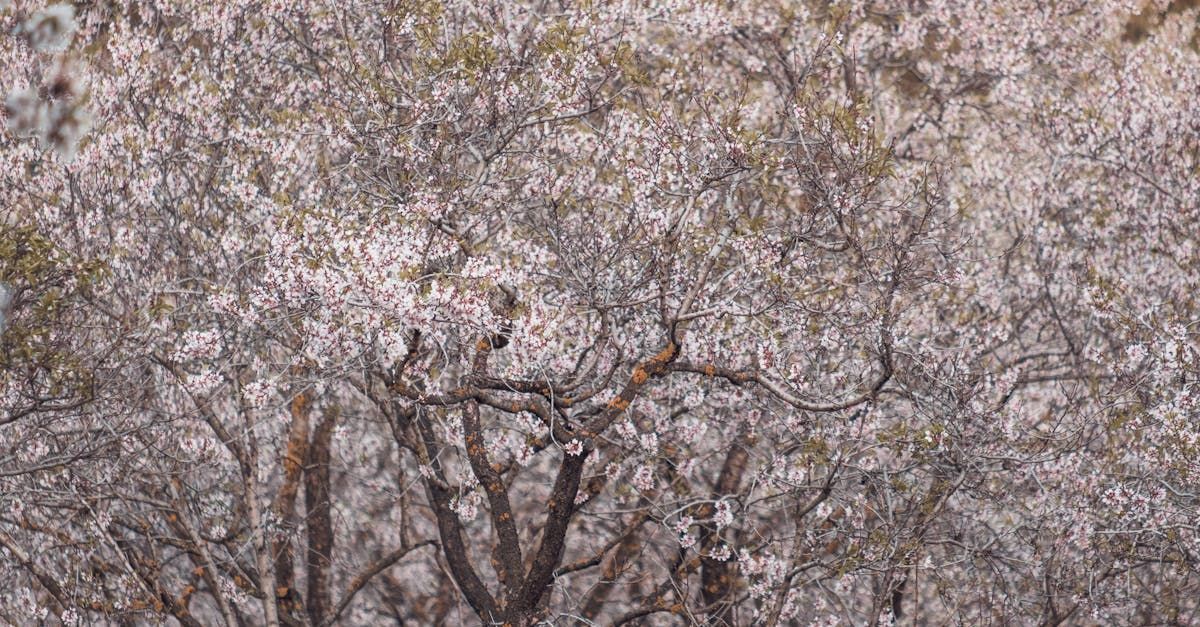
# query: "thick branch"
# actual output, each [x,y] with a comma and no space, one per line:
[742,377]
[285,502]
[450,529]
[507,556]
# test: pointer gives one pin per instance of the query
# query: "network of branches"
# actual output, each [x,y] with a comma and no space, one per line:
[611,312]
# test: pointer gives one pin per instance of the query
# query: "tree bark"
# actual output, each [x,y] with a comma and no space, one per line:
[320,522]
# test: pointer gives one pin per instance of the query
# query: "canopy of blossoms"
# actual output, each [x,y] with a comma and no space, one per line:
[622,312]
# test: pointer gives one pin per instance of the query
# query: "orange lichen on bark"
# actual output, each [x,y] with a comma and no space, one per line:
[665,355]
[293,457]
[618,404]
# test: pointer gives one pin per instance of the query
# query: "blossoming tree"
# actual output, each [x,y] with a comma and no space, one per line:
[661,312]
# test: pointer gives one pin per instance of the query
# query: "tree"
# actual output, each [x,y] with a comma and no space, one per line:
[609,313]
